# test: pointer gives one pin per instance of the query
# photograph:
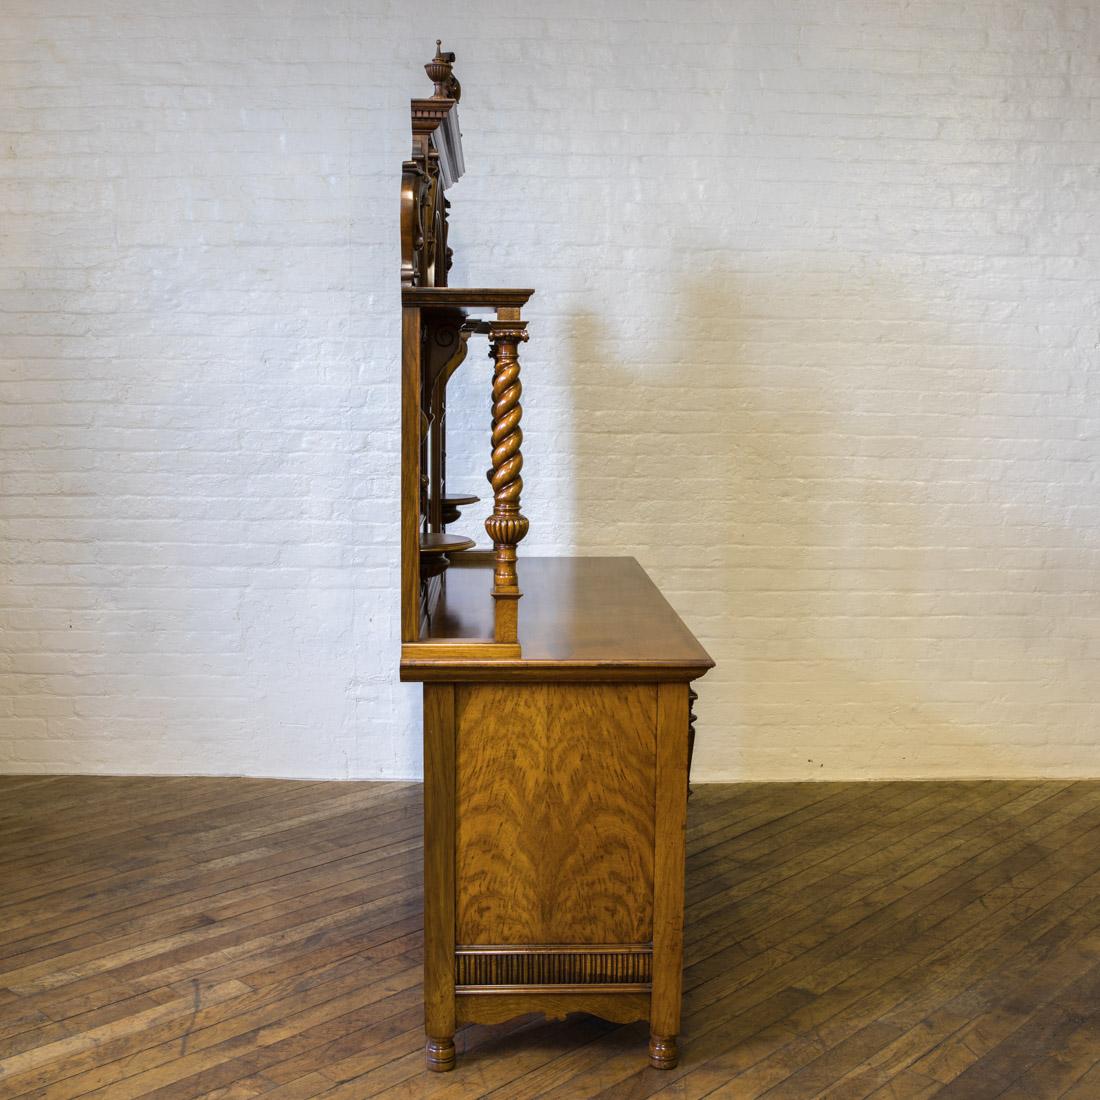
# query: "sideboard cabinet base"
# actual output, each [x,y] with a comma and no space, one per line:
[555,805]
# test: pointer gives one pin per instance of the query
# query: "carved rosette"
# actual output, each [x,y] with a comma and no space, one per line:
[507,525]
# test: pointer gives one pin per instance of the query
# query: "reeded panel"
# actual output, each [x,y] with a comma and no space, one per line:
[555,812]
[554,966]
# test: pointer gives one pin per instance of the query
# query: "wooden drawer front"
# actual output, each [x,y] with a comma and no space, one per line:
[554,808]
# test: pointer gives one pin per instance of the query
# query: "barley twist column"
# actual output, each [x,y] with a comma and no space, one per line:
[507,525]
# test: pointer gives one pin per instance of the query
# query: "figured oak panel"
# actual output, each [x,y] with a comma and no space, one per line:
[555,811]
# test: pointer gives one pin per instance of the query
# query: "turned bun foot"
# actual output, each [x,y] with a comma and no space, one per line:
[439,1054]
[663,1053]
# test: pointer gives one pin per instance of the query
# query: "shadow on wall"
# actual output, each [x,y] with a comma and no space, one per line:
[773,525]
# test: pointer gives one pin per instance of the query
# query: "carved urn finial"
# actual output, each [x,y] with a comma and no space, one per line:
[440,71]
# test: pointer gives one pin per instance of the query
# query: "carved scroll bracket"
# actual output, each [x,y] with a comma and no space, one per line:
[445,344]
[507,525]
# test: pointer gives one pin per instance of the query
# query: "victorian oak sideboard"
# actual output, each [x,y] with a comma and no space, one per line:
[557,693]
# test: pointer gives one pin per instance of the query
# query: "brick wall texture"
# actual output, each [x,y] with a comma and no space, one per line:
[815,339]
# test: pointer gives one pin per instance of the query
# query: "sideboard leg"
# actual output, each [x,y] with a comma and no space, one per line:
[668,873]
[439,1054]
[663,1053]
[439,870]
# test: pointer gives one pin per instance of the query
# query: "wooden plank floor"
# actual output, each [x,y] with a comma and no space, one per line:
[232,938]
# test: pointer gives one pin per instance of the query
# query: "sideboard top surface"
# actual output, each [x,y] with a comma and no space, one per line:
[578,615]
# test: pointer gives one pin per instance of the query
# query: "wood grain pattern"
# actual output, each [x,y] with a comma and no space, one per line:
[583,618]
[555,813]
[842,941]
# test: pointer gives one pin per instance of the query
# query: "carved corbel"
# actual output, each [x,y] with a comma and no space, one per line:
[693,695]
[445,349]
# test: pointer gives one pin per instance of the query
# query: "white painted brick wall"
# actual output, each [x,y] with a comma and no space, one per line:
[815,339]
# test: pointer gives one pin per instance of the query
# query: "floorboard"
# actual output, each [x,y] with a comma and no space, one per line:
[235,938]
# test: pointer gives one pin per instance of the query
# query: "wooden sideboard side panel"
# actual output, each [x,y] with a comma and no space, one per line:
[555,795]
[439,875]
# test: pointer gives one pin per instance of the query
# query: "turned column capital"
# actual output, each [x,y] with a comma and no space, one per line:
[506,331]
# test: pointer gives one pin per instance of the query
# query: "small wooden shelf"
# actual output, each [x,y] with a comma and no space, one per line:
[439,542]
[434,548]
[453,503]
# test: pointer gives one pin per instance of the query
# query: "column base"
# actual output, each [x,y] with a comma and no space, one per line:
[663,1052]
[439,1055]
